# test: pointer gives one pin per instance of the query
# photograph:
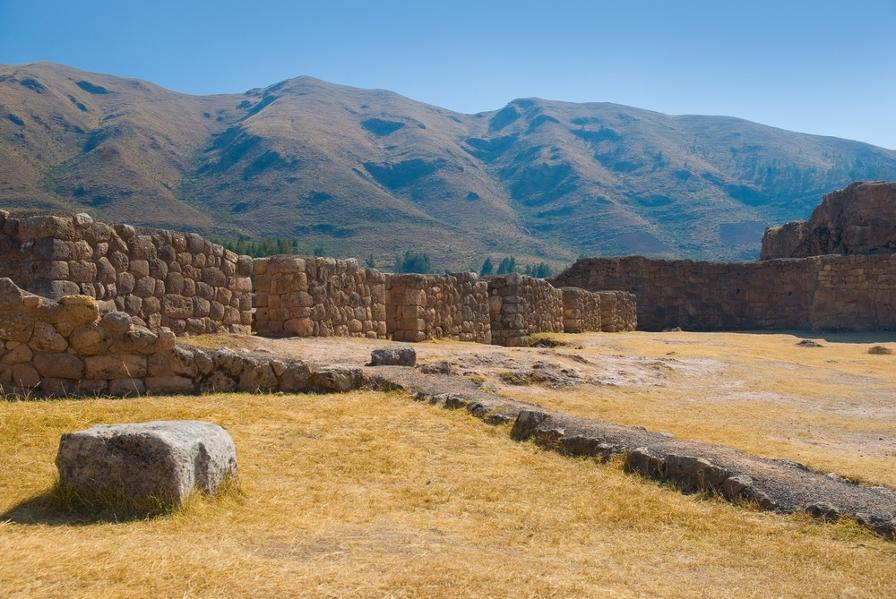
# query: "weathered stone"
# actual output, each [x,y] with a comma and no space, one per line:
[393,356]
[44,338]
[127,387]
[148,462]
[169,384]
[115,366]
[59,365]
[116,323]
[89,340]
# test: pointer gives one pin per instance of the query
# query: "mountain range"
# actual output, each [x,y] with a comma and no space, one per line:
[370,172]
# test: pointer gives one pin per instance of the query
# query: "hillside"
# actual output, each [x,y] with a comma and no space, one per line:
[369,171]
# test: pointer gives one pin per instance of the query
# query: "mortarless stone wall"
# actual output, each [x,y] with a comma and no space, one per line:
[420,307]
[162,278]
[850,293]
[67,347]
[520,306]
[581,310]
[618,311]
[318,297]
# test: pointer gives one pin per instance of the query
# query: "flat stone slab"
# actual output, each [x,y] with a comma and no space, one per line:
[149,463]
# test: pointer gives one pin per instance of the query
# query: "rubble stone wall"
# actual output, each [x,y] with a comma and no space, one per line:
[520,306]
[850,293]
[318,297]
[162,278]
[618,311]
[420,307]
[68,347]
[581,310]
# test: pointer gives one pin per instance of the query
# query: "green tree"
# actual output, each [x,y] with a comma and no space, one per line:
[488,267]
[417,262]
[507,265]
[370,262]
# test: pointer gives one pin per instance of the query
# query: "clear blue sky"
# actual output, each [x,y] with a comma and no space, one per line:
[819,67]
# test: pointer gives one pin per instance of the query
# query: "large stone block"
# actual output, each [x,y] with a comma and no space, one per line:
[147,465]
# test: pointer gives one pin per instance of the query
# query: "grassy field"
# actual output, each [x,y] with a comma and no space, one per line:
[830,407]
[372,494]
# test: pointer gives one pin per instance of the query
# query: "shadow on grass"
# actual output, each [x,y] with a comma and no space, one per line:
[62,507]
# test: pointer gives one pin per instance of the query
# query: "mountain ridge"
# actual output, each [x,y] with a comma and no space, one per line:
[374,172]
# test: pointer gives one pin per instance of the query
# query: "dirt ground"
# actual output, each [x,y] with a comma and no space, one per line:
[825,402]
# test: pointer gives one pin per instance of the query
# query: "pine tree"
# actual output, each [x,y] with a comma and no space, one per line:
[488,268]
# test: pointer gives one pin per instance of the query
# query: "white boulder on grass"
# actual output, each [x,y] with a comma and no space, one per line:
[151,463]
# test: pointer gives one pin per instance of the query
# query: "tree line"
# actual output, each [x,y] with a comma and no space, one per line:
[409,262]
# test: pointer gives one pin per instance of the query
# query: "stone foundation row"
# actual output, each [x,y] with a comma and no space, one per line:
[51,348]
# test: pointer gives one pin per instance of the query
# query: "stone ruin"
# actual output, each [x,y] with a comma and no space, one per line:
[860,219]
[67,347]
[318,297]
[162,278]
[455,306]
[835,272]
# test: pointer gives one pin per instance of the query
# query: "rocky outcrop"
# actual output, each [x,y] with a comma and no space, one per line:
[162,278]
[67,348]
[860,219]
[318,297]
[146,466]
[420,307]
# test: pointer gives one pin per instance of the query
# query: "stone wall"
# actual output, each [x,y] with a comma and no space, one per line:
[826,292]
[454,306]
[67,347]
[860,219]
[854,293]
[581,310]
[318,297]
[520,306]
[618,311]
[162,278]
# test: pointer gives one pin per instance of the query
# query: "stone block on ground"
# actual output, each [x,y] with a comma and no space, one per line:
[146,465]
[393,356]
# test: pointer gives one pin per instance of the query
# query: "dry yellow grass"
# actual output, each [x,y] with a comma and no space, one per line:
[371,494]
[831,407]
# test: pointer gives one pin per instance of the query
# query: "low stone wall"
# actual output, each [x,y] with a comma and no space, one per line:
[618,311]
[581,310]
[163,278]
[66,348]
[420,307]
[520,306]
[318,297]
[850,293]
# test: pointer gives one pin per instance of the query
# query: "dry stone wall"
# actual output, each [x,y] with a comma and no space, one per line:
[162,278]
[581,310]
[67,347]
[850,293]
[420,307]
[618,311]
[318,297]
[520,306]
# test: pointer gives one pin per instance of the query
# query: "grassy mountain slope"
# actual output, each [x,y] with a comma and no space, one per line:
[369,171]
